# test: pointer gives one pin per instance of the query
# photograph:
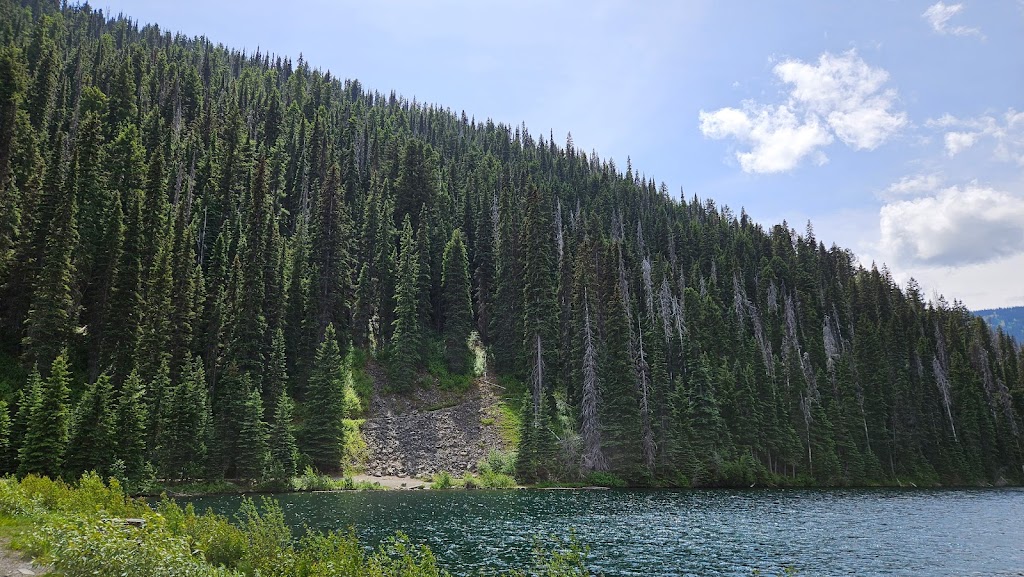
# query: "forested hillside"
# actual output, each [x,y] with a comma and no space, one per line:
[192,237]
[1009,319]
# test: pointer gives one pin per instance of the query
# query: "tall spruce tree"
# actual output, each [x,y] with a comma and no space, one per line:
[92,441]
[284,450]
[457,305]
[185,431]
[53,316]
[47,422]
[322,434]
[407,340]
[253,458]
[131,420]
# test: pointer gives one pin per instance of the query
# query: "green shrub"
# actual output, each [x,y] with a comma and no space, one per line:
[356,453]
[330,554]
[498,462]
[496,470]
[557,558]
[602,479]
[399,557]
[442,480]
[15,501]
[211,535]
[268,538]
[493,480]
[310,480]
[80,547]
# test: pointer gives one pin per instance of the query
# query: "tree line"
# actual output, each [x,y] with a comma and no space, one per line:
[193,238]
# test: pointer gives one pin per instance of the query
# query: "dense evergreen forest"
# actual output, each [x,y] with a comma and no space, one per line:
[192,239]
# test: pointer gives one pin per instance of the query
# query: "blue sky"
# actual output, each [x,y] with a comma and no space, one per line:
[895,126]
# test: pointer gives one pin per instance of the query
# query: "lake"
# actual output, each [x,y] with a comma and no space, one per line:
[691,532]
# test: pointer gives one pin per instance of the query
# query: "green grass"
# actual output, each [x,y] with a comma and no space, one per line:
[509,422]
[437,370]
[358,381]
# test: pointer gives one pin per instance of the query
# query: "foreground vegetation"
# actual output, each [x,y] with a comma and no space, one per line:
[94,529]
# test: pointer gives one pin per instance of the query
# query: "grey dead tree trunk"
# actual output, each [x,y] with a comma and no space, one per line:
[559,236]
[644,373]
[940,366]
[643,368]
[593,457]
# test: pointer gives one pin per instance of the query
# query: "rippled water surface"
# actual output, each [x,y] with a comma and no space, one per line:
[659,532]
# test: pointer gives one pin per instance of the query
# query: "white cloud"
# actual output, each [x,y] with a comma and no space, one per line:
[914,185]
[957,142]
[839,96]
[848,93]
[958,226]
[939,14]
[778,138]
[1005,133]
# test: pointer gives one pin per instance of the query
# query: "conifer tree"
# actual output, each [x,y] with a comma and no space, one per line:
[540,311]
[7,460]
[48,421]
[101,220]
[322,433]
[620,409]
[52,318]
[506,330]
[14,80]
[456,303]
[185,431]
[253,455]
[283,448]
[92,441]
[590,424]
[296,324]
[484,273]
[406,343]
[154,334]
[121,339]
[130,427]
[329,259]
[276,380]
[184,276]
[44,61]
[526,451]
[415,185]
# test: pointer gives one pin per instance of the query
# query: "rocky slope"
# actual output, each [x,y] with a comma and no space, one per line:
[430,430]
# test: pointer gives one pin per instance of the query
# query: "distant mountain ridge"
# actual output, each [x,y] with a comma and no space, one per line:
[1010,318]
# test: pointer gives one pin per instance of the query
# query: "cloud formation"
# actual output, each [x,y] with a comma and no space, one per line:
[958,226]
[913,185]
[840,96]
[939,14]
[1005,133]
